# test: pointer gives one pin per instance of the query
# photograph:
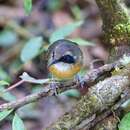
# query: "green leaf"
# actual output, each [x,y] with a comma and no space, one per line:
[29,110]
[16,65]
[76,11]
[54,5]
[4,75]
[8,38]
[64,31]
[28,6]
[4,114]
[71,93]
[82,42]
[2,82]
[125,122]
[31,49]
[6,95]
[37,89]
[17,123]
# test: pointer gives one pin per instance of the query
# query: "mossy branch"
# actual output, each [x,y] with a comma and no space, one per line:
[99,97]
[116,24]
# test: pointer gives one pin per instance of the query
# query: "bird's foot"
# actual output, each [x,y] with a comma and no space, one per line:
[80,81]
[54,87]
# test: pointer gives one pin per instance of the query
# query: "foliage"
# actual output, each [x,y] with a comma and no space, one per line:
[8,38]
[2,82]
[82,42]
[7,96]
[17,123]
[4,75]
[71,93]
[64,31]
[125,122]
[28,6]
[4,114]
[31,49]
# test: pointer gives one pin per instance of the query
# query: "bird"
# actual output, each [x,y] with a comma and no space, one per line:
[65,59]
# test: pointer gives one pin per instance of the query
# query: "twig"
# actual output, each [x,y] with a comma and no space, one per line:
[28,99]
[13,86]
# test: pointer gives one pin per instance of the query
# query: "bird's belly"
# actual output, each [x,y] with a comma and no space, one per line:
[64,70]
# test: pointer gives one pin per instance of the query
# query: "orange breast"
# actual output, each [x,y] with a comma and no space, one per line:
[64,74]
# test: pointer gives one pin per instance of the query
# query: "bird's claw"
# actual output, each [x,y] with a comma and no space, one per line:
[54,87]
[79,81]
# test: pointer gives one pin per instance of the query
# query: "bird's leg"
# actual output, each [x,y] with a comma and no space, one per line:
[79,80]
[53,85]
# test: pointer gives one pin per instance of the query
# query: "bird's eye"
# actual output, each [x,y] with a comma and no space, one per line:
[67,59]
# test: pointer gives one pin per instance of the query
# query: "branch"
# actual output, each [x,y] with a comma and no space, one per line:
[117,107]
[28,99]
[89,79]
[99,97]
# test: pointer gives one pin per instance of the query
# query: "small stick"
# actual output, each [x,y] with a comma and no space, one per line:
[14,86]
